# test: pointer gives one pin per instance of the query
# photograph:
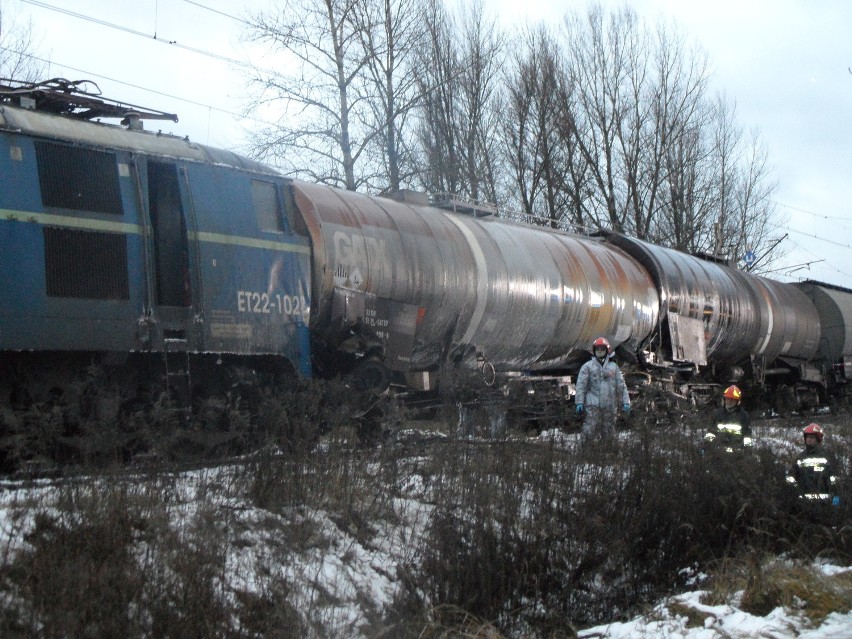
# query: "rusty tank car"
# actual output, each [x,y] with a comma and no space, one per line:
[408,287]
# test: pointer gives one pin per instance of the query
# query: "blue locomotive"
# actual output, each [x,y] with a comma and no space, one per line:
[142,251]
[115,241]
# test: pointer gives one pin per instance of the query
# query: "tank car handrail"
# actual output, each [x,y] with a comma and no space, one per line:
[458,204]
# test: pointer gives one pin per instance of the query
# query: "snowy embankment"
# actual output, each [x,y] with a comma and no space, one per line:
[339,569]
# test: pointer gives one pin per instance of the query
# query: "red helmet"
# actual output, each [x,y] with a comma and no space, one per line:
[733,392]
[814,429]
[601,341]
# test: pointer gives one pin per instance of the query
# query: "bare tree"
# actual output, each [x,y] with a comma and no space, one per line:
[606,67]
[549,172]
[436,71]
[532,79]
[674,111]
[459,78]
[746,214]
[672,202]
[664,161]
[342,90]
[18,45]
[392,32]
[323,123]
[482,49]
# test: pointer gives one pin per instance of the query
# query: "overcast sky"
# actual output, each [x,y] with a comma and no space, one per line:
[785,63]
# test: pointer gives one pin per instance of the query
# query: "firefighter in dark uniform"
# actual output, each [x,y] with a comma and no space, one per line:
[731,425]
[814,471]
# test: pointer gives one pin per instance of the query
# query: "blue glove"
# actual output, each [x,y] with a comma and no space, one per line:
[626,408]
[835,501]
[580,409]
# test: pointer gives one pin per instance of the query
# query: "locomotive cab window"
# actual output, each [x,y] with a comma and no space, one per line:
[266,206]
[77,178]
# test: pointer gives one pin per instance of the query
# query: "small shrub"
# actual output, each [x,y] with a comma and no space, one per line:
[79,576]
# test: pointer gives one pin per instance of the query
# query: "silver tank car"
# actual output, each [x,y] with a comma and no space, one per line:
[834,305]
[430,285]
[719,315]
[790,325]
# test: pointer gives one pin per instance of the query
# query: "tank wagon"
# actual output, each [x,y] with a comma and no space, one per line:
[834,353]
[733,326]
[163,259]
[412,287]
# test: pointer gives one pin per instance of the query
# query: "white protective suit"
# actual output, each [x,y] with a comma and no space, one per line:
[602,392]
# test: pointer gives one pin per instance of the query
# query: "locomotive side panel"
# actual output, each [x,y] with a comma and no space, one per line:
[111,243]
[72,254]
[252,269]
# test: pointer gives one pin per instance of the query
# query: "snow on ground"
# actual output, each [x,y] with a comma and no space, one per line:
[667,620]
[345,579]
[339,580]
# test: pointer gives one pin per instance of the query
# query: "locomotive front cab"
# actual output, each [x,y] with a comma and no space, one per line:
[250,258]
[116,242]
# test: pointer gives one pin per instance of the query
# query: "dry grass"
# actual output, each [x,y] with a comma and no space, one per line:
[694,618]
[800,587]
[445,622]
[524,538]
[760,588]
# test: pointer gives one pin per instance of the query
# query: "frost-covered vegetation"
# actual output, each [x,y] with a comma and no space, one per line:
[424,535]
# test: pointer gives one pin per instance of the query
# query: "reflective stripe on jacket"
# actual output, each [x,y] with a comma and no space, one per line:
[814,471]
[731,428]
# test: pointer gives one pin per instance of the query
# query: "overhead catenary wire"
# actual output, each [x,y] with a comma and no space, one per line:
[817,259]
[815,214]
[221,13]
[153,36]
[148,36]
[814,236]
[137,86]
[822,217]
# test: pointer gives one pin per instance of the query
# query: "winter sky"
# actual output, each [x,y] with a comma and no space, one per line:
[787,64]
